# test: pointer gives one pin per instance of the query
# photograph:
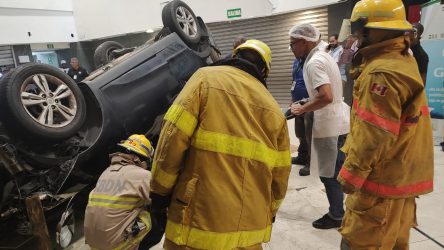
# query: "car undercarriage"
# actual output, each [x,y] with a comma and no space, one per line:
[55,135]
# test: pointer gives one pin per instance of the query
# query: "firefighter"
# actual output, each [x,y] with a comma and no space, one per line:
[389,150]
[223,156]
[117,216]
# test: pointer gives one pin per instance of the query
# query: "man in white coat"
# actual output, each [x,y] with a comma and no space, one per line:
[331,116]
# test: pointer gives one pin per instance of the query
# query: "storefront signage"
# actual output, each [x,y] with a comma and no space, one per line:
[432,41]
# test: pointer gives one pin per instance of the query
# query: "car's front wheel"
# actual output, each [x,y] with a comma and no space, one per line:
[39,101]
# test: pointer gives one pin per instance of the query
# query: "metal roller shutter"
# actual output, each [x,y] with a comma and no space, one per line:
[272,30]
[6,58]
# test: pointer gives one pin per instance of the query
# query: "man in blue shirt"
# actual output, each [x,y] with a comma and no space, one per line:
[302,124]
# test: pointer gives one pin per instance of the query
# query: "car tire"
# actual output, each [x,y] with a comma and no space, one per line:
[188,28]
[162,33]
[103,55]
[41,102]
[214,55]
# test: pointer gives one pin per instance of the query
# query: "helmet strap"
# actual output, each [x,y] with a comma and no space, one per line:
[139,156]
[407,46]
[358,24]
[365,40]
[264,73]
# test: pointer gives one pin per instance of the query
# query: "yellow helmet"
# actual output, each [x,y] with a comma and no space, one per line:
[138,144]
[380,14]
[258,46]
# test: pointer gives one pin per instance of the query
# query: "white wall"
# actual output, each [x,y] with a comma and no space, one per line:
[63,5]
[214,10]
[53,21]
[43,29]
[48,21]
[104,18]
[281,6]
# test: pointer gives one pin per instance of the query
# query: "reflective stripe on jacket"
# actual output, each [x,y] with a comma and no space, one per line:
[120,196]
[224,155]
[390,149]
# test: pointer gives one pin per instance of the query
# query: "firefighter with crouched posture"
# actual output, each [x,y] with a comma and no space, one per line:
[117,215]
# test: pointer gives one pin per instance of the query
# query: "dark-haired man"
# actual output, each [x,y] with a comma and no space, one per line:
[421,57]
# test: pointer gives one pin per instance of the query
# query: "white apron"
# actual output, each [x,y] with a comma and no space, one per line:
[324,152]
[328,123]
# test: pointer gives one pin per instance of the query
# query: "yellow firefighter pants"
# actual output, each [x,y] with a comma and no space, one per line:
[372,222]
[169,245]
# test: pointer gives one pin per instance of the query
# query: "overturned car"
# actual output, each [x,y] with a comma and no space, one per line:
[55,134]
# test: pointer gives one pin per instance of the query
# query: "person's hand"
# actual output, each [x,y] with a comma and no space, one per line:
[296,109]
[347,188]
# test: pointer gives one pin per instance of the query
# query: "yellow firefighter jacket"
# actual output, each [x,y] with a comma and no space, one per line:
[120,196]
[224,155]
[389,150]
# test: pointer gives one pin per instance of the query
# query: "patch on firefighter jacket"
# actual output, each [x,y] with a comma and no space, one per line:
[378,89]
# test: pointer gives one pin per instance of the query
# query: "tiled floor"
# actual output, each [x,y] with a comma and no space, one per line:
[306,202]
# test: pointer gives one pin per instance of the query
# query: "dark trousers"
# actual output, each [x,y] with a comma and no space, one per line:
[155,235]
[348,87]
[333,189]
[303,125]
[344,245]
[150,240]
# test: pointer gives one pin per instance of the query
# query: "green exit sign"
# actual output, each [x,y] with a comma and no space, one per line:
[234,13]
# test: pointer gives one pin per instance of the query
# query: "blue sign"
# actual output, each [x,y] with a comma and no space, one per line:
[435,77]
